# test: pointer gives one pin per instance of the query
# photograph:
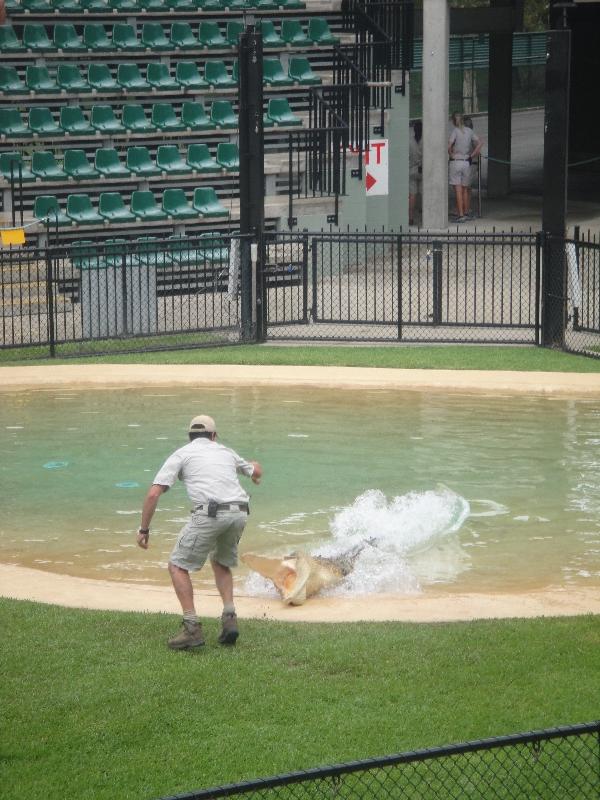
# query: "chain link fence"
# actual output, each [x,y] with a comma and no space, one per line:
[542,765]
[415,287]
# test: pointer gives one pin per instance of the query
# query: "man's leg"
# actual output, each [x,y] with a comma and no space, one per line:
[224,582]
[191,635]
[182,583]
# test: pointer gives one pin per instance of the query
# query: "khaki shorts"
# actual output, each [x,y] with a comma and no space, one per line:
[215,537]
[459,173]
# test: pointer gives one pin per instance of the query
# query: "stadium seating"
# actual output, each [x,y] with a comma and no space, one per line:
[9,164]
[194,117]
[130,78]
[103,119]
[280,113]
[215,73]
[9,42]
[36,39]
[145,207]
[46,208]
[77,166]
[300,70]
[69,79]
[96,39]
[210,36]
[165,118]
[182,37]
[273,74]
[270,36]
[73,122]
[140,163]
[293,34]
[188,76]
[170,160]
[175,204]
[320,33]
[232,32]
[207,203]
[154,38]
[38,79]
[135,120]
[159,77]
[44,166]
[228,156]
[81,210]
[200,159]
[42,123]
[222,114]
[101,79]
[108,163]
[67,39]
[124,37]
[10,83]
[112,208]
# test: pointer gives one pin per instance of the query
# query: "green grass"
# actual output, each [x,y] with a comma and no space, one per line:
[95,706]
[469,357]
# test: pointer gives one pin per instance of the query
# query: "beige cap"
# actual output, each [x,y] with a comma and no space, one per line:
[202,424]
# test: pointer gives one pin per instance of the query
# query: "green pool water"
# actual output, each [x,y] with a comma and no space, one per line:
[463,493]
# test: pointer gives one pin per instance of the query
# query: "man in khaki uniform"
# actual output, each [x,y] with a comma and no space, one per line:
[209,471]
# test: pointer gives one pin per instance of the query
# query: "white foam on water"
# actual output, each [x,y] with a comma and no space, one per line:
[490,509]
[406,540]
[297,435]
[15,427]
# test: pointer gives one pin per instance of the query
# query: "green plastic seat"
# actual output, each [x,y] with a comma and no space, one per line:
[182,251]
[215,73]
[228,156]
[214,248]
[131,79]
[235,71]
[208,5]
[84,255]
[73,122]
[180,5]
[113,209]
[11,124]
[265,5]
[273,73]
[267,122]
[38,80]
[81,210]
[170,160]
[42,123]
[115,252]
[175,204]
[223,115]
[103,119]
[108,163]
[291,4]
[36,39]
[135,119]
[151,5]
[122,5]
[139,162]
[280,112]
[69,79]
[65,5]
[46,208]
[200,159]
[145,207]
[10,162]
[150,253]
[293,33]
[270,36]
[36,6]
[100,78]
[159,77]
[67,39]
[10,83]
[77,166]
[45,166]
[154,38]
[232,32]
[182,36]
[188,76]
[96,38]
[210,36]
[195,118]
[9,43]
[124,37]
[207,203]
[319,32]
[165,118]
[93,5]
[300,70]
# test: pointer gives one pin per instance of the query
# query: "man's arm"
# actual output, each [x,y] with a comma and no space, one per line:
[148,509]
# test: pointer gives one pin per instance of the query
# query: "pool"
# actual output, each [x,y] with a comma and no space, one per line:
[457,492]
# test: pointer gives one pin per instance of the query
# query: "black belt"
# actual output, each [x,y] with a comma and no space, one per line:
[225,507]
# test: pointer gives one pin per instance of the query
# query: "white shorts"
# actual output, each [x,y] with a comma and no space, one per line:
[459,173]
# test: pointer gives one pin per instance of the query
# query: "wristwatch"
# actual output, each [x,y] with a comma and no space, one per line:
[144,530]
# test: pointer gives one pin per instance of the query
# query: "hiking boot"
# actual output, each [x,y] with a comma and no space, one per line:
[190,637]
[229,630]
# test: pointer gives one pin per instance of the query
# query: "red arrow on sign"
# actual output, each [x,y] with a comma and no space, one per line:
[370,181]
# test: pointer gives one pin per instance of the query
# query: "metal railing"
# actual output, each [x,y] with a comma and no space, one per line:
[561,762]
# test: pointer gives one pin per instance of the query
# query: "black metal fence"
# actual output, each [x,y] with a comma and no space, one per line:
[542,765]
[186,291]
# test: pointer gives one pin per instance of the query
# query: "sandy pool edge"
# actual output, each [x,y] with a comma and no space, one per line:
[23,583]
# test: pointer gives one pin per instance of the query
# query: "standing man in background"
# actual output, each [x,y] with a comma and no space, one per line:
[463,147]
[209,472]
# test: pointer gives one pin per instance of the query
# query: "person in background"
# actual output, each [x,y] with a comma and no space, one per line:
[209,472]
[463,147]
[468,123]
[415,168]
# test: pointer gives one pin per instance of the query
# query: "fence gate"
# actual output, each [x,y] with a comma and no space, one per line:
[415,287]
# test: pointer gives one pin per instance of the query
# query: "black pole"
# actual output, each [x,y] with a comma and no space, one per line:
[554,207]
[252,172]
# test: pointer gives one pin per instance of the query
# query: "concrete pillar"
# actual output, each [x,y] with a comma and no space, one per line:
[499,112]
[436,32]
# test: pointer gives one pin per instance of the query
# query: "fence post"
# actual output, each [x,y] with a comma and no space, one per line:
[50,301]
[437,283]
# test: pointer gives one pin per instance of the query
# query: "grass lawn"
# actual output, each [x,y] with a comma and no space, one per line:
[536,359]
[95,706]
